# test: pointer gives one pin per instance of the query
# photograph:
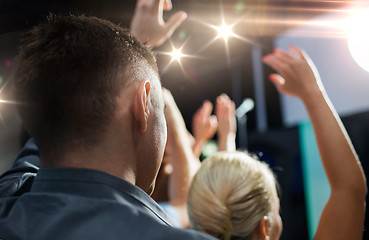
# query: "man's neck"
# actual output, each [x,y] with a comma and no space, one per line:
[109,157]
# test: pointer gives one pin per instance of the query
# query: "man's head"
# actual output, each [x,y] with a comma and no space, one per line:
[69,74]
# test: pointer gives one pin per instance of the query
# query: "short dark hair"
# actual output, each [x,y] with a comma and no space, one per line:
[68,74]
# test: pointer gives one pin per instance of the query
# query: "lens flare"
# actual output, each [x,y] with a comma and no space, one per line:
[225,31]
[176,55]
[358,39]
[2,100]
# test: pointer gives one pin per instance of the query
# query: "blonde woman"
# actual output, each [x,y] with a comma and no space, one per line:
[233,195]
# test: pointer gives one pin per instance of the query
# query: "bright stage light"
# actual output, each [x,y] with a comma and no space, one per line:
[176,54]
[358,38]
[224,31]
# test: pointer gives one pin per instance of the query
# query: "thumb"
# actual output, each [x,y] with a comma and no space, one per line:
[213,122]
[277,80]
[174,21]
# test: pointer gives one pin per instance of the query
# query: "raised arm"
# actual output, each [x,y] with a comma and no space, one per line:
[343,215]
[148,25]
[204,126]
[184,163]
[225,111]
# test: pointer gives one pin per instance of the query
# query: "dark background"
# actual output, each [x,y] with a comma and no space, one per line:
[206,77]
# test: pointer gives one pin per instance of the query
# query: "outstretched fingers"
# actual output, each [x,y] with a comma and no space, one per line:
[175,21]
[301,54]
[207,108]
[204,124]
[275,62]
[283,55]
[277,80]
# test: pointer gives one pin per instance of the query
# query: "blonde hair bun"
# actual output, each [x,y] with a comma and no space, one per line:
[230,194]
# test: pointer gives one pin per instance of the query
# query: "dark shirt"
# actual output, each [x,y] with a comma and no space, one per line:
[19,178]
[72,203]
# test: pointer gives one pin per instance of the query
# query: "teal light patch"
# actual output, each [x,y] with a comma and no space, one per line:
[316,184]
[1,80]
[239,7]
[182,35]
[209,148]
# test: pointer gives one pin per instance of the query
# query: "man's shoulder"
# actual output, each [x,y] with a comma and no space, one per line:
[19,178]
[136,223]
[83,219]
[178,234]
[88,223]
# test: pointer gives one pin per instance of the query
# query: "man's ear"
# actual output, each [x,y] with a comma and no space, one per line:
[140,108]
[264,227]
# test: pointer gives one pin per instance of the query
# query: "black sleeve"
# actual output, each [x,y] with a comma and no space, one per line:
[19,178]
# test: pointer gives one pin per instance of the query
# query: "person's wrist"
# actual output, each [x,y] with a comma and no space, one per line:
[200,141]
[226,134]
[230,137]
[310,94]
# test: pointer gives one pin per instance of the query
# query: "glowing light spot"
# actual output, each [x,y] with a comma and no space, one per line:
[182,35]
[358,38]
[224,31]
[176,54]
[1,79]
[239,7]
[210,148]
